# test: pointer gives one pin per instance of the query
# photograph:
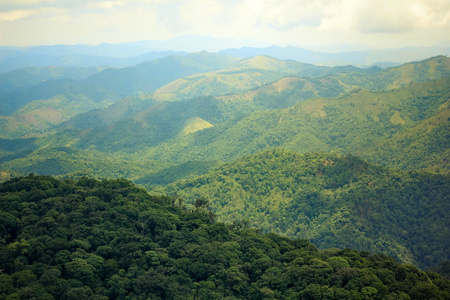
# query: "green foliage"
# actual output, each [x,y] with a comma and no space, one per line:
[359,122]
[19,79]
[68,162]
[332,200]
[54,101]
[383,116]
[410,122]
[89,239]
[177,172]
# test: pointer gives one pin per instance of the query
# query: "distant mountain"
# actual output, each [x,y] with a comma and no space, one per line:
[250,73]
[79,60]
[128,54]
[100,89]
[14,81]
[382,58]
[334,201]
[188,43]
[114,55]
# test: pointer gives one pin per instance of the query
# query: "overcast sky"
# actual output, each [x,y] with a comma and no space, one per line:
[373,23]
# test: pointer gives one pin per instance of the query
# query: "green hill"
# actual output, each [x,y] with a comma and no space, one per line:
[97,90]
[350,123]
[40,115]
[251,73]
[19,79]
[244,75]
[88,239]
[425,145]
[68,162]
[260,77]
[151,126]
[332,200]
[403,128]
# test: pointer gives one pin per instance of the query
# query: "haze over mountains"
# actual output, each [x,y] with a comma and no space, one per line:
[128,54]
[307,144]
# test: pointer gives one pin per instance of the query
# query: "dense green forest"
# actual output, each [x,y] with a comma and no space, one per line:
[332,200]
[343,157]
[89,239]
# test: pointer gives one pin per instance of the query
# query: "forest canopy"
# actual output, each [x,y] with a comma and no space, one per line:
[90,239]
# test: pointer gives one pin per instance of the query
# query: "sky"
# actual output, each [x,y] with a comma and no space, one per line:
[317,23]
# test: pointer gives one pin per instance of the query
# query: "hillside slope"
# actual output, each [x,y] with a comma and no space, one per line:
[353,122]
[403,128]
[332,200]
[100,89]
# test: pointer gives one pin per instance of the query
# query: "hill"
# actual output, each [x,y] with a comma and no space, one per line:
[358,58]
[39,107]
[67,162]
[282,93]
[401,128]
[252,72]
[332,200]
[102,88]
[246,74]
[17,80]
[351,123]
[89,239]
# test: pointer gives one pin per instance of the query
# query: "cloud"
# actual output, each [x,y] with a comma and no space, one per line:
[21,14]
[385,16]
[25,2]
[271,21]
[287,14]
[106,4]
[16,15]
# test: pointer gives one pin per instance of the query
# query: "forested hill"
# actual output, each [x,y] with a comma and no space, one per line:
[332,200]
[88,239]
[36,108]
[405,128]
[357,122]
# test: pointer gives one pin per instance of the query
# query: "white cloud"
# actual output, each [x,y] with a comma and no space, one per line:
[25,2]
[272,21]
[199,14]
[106,4]
[16,15]
[384,16]
[286,14]
[21,14]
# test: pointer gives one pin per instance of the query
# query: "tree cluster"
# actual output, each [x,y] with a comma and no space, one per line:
[334,201]
[89,239]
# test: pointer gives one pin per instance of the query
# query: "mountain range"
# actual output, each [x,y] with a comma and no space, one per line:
[128,54]
[343,156]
